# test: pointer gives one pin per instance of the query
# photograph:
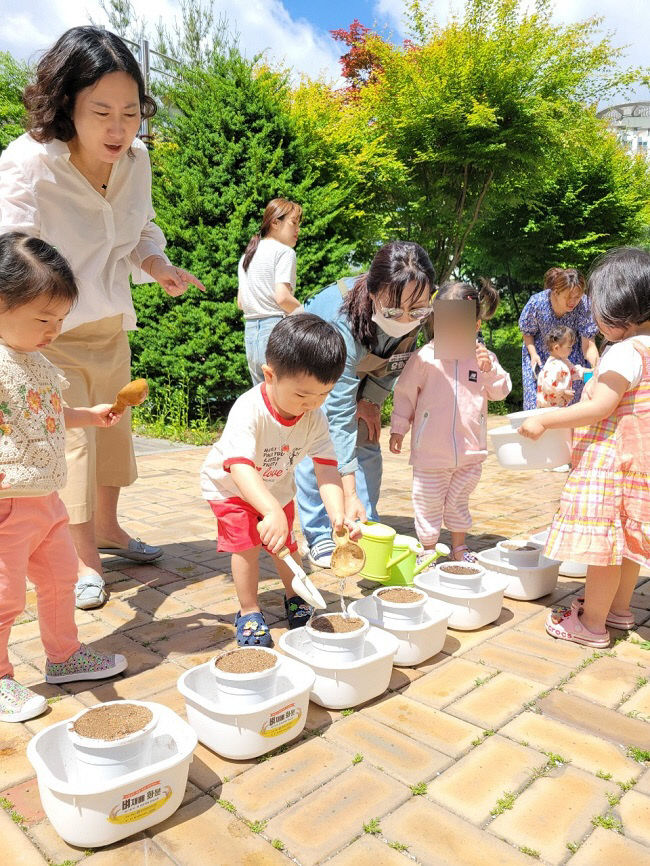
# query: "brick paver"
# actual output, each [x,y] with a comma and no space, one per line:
[427,767]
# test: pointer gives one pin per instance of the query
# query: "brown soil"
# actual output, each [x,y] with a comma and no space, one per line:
[400,596]
[335,623]
[517,545]
[246,661]
[112,722]
[459,569]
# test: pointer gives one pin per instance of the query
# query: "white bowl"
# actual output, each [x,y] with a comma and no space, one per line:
[514,451]
[460,582]
[390,613]
[337,647]
[246,689]
[519,556]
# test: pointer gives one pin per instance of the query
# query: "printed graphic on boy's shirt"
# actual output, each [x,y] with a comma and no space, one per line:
[276,462]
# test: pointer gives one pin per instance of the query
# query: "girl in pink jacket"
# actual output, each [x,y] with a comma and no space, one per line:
[445,403]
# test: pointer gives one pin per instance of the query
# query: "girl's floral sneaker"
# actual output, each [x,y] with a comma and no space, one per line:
[85,664]
[18,703]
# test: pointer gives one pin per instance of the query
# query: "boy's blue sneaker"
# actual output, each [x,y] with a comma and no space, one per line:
[298,611]
[252,630]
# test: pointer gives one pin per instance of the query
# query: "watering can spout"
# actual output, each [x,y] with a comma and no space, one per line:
[397,559]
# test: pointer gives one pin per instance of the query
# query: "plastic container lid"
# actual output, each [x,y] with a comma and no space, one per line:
[379,531]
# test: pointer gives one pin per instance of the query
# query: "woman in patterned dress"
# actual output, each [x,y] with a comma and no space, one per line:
[561,303]
[604,514]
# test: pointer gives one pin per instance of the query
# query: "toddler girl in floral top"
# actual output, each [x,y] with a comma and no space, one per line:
[37,290]
[558,373]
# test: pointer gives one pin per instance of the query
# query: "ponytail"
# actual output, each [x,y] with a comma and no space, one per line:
[488,299]
[249,252]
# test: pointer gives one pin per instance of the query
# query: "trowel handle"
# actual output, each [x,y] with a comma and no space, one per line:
[397,559]
[425,562]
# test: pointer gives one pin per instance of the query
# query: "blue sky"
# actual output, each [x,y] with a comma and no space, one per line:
[333,14]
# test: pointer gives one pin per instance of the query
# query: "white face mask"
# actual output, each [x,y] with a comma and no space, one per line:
[393,328]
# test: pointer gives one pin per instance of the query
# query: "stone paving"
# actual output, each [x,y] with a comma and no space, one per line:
[506,747]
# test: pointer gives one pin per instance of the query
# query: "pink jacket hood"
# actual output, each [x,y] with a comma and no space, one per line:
[445,403]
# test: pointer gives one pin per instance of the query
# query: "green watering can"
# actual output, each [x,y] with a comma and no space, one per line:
[391,558]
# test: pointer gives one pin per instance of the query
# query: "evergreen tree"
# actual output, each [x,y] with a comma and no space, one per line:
[226,147]
[13,78]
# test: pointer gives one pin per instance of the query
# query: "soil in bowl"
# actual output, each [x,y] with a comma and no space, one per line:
[517,545]
[335,623]
[400,596]
[245,661]
[112,722]
[459,569]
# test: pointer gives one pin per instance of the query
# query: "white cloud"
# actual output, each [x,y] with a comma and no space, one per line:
[263,26]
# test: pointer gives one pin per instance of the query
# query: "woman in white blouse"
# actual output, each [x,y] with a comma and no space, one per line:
[80,180]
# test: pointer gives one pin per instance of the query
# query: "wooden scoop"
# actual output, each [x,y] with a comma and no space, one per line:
[133,394]
[348,558]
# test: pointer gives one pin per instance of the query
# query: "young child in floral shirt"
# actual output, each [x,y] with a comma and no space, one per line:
[37,289]
[558,373]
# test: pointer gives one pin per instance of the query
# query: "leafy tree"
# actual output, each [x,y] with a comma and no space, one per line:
[228,145]
[13,78]
[597,197]
[458,111]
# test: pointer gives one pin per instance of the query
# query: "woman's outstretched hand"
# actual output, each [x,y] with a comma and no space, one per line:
[175,281]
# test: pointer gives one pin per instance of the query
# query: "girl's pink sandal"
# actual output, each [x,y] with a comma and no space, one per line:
[614,620]
[564,623]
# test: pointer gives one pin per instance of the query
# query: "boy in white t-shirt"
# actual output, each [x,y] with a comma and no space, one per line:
[248,476]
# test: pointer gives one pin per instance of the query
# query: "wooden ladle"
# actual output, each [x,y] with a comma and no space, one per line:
[133,394]
[348,558]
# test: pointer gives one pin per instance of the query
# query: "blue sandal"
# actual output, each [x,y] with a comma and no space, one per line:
[252,630]
[298,611]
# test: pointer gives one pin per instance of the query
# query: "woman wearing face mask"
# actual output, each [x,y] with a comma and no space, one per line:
[81,180]
[379,315]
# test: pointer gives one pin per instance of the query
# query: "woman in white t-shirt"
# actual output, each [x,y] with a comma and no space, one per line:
[81,180]
[267,279]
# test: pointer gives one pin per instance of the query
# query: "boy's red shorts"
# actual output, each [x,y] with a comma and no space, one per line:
[237,525]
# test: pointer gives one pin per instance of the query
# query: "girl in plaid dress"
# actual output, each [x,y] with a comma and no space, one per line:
[604,515]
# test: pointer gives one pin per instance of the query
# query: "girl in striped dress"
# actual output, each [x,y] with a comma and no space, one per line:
[604,515]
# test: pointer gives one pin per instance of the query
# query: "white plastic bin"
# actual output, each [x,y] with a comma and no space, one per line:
[346,684]
[470,610]
[89,812]
[415,642]
[524,583]
[247,731]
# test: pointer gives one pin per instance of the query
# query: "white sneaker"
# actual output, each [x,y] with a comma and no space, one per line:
[18,703]
[320,554]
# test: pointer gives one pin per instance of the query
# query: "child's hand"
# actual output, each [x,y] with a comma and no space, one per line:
[339,521]
[395,443]
[532,428]
[483,358]
[568,394]
[101,415]
[273,529]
